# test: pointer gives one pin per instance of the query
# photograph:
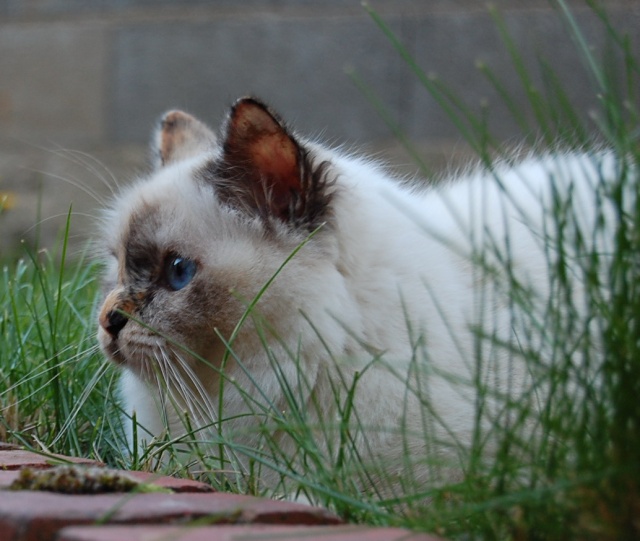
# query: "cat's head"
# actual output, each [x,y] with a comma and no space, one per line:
[191,245]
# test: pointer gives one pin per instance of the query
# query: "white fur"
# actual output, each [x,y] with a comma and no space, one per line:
[392,274]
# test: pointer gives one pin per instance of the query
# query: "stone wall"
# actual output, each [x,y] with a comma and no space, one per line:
[92,76]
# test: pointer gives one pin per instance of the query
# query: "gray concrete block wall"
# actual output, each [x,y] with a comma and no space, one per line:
[296,65]
[94,75]
[53,82]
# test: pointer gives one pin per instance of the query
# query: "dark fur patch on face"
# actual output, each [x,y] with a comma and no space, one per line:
[142,255]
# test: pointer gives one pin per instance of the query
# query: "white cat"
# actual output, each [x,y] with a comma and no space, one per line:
[345,274]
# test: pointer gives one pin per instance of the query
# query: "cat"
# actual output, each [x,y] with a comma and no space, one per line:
[256,279]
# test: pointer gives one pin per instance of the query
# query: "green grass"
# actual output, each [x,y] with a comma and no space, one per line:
[579,479]
[56,391]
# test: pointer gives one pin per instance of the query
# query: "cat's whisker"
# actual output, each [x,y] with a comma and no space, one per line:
[155,371]
[161,368]
[179,392]
[82,399]
[212,417]
[206,412]
[202,399]
[92,163]
[175,384]
[164,382]
[82,186]
[89,163]
[58,216]
[80,158]
[197,406]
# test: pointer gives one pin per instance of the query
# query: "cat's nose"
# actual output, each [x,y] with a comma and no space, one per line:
[114,322]
[113,315]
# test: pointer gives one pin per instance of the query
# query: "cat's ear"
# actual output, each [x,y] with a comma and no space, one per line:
[266,169]
[180,136]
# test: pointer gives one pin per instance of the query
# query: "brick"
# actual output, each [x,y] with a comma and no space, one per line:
[40,515]
[231,533]
[7,477]
[9,447]
[177,485]
[174,483]
[14,460]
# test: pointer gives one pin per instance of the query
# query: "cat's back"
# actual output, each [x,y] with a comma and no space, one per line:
[410,255]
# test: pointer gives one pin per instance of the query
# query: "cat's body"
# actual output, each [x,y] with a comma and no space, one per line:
[384,281]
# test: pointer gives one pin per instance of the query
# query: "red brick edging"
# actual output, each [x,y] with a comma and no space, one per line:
[48,516]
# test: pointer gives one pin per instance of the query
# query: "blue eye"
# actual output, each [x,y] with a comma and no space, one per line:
[179,271]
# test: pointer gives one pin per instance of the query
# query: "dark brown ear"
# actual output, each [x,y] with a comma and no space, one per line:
[181,136]
[262,159]
[264,170]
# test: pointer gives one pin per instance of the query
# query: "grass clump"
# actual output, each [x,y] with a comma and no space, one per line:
[581,478]
[56,391]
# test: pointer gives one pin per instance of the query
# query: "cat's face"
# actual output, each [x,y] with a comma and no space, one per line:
[189,247]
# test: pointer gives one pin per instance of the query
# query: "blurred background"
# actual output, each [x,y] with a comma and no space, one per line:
[83,81]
